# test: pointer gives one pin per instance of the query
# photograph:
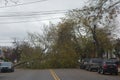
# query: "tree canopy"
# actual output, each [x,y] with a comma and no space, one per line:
[85,32]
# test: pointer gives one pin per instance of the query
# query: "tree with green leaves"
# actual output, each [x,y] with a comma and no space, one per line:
[82,33]
[117,48]
[101,13]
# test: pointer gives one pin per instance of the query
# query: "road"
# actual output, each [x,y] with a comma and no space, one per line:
[56,74]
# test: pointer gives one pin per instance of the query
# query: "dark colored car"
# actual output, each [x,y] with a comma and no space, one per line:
[108,66]
[93,64]
[117,62]
[84,63]
[6,67]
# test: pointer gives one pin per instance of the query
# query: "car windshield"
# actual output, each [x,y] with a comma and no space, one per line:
[110,62]
[5,64]
[86,60]
[96,60]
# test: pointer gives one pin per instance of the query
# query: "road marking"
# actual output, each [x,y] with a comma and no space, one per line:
[54,74]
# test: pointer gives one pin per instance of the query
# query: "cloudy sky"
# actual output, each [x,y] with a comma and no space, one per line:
[30,15]
[22,16]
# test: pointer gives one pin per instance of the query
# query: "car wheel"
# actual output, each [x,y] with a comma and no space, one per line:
[111,73]
[89,69]
[102,71]
[80,67]
[116,73]
[13,70]
[2,71]
[98,71]
[86,68]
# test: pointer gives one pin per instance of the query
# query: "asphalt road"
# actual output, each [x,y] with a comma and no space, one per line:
[56,74]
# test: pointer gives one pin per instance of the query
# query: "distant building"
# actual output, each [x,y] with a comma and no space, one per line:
[1,53]
[4,49]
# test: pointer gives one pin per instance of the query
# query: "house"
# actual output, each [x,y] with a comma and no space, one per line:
[1,53]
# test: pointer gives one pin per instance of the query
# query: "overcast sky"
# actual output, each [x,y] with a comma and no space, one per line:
[10,30]
[11,17]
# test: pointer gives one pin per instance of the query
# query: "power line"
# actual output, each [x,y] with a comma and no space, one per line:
[38,11]
[28,21]
[31,14]
[6,42]
[12,40]
[23,4]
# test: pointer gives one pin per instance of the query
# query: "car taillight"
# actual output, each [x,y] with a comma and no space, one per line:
[105,66]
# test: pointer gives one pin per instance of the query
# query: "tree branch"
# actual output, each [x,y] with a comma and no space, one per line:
[114,4]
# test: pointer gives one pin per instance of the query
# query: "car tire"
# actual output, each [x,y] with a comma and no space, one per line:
[89,69]
[2,71]
[102,71]
[13,70]
[80,67]
[116,73]
[86,68]
[98,71]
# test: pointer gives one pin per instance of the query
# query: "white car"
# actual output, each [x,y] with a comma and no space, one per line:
[6,67]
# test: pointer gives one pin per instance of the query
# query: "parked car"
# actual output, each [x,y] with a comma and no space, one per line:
[93,64]
[6,67]
[84,63]
[108,66]
[117,62]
